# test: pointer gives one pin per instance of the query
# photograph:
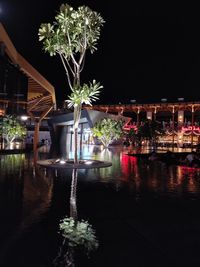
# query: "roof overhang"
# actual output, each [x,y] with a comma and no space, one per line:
[41,94]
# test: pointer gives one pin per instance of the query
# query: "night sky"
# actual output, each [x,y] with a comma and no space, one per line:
[144,53]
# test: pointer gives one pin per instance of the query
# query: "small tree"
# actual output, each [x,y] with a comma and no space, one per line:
[132,136]
[150,130]
[73,33]
[107,130]
[11,128]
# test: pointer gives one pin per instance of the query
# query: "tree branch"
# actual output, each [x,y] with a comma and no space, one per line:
[72,56]
[66,70]
[84,46]
[83,63]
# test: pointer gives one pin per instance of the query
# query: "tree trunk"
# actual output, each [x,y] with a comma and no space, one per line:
[77,114]
[73,208]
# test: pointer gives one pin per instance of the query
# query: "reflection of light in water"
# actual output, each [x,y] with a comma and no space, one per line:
[86,152]
[106,154]
[189,174]
[12,164]
[179,175]
[138,174]
[191,186]
[75,233]
[171,184]
[183,180]
[172,180]
[130,172]
[34,196]
[79,233]
[129,167]
[154,182]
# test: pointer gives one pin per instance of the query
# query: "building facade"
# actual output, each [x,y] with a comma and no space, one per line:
[180,120]
[23,90]
[61,130]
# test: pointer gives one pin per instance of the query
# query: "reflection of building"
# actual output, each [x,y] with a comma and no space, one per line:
[180,120]
[61,129]
[23,90]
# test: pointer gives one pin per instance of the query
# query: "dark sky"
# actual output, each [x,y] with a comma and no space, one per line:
[145,52]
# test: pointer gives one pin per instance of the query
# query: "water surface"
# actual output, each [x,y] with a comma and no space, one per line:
[143,214]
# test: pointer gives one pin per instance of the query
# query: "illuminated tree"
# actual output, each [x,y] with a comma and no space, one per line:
[73,33]
[11,128]
[108,130]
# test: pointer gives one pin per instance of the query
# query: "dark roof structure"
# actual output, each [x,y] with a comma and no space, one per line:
[40,94]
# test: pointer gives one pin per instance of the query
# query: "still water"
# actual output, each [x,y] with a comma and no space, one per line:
[141,213]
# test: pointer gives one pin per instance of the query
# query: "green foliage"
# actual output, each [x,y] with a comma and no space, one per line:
[11,128]
[79,234]
[150,130]
[84,94]
[72,31]
[132,135]
[107,130]
[69,36]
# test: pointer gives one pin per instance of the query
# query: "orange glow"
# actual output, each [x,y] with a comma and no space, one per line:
[2,112]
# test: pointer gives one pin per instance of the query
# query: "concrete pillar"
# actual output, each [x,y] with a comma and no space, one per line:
[149,115]
[155,112]
[180,117]
[36,140]
[173,133]
[138,117]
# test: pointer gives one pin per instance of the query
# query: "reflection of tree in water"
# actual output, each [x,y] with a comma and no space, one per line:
[12,165]
[27,201]
[108,155]
[76,234]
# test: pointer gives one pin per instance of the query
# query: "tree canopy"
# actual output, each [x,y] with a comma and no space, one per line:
[150,130]
[11,128]
[71,34]
[108,130]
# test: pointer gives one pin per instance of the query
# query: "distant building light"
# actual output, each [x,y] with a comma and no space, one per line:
[132,100]
[87,130]
[88,162]
[24,118]
[180,99]
[2,112]
[163,99]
